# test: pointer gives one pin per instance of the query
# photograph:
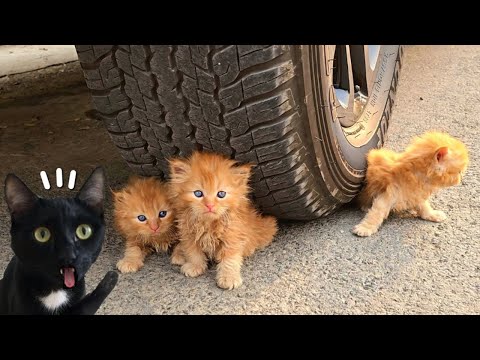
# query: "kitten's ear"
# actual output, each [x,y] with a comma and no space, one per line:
[441,153]
[179,170]
[92,191]
[117,195]
[243,172]
[20,199]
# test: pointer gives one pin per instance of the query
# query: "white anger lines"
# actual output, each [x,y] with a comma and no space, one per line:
[46,183]
[71,179]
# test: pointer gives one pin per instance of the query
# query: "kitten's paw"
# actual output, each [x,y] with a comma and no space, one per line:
[362,230]
[229,282]
[193,270]
[127,266]
[178,259]
[435,216]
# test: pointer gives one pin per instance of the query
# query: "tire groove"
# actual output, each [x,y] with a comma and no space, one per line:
[261,97]
[156,99]
[95,65]
[217,100]
[271,64]
[178,87]
[122,76]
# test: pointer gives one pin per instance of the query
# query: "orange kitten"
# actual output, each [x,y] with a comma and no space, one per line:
[215,217]
[405,181]
[144,216]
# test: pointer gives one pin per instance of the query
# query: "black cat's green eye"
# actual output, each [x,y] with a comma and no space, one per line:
[162,214]
[84,231]
[141,218]
[42,234]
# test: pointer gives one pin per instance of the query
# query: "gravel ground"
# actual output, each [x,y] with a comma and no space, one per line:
[410,267]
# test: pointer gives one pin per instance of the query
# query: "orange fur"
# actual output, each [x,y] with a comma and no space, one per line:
[232,231]
[143,196]
[405,181]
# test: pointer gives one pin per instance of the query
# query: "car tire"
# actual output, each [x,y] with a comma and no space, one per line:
[305,115]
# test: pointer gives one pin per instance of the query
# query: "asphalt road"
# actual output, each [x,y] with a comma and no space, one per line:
[410,267]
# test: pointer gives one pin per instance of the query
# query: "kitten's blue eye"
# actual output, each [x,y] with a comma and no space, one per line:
[162,214]
[198,193]
[221,194]
[142,218]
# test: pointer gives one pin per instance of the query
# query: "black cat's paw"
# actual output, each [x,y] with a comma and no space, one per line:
[90,303]
[108,282]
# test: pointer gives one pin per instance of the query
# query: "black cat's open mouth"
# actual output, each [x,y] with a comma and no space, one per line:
[68,274]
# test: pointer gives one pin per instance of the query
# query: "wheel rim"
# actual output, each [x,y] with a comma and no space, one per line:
[354,74]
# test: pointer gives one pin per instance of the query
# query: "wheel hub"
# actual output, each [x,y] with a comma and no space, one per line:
[354,72]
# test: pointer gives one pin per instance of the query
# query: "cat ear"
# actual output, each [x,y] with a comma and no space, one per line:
[179,169]
[242,172]
[441,153]
[118,195]
[91,192]
[20,199]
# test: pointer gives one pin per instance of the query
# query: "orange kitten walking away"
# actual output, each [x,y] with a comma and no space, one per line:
[144,216]
[405,181]
[215,217]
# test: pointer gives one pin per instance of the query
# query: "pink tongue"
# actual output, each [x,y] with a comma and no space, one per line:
[68,277]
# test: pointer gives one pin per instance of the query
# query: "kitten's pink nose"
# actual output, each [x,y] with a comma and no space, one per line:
[154,227]
[210,206]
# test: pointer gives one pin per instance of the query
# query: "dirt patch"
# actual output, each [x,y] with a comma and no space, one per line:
[45,124]
[28,88]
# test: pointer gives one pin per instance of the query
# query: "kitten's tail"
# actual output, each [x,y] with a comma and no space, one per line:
[268,227]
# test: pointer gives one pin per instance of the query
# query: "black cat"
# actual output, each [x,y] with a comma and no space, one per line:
[55,242]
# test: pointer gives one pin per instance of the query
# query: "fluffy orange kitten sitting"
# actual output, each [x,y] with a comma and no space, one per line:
[145,217]
[405,181]
[215,217]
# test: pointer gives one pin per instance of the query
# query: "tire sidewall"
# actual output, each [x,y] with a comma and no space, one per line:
[342,165]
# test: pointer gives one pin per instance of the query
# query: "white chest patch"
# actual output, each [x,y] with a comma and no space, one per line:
[55,300]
